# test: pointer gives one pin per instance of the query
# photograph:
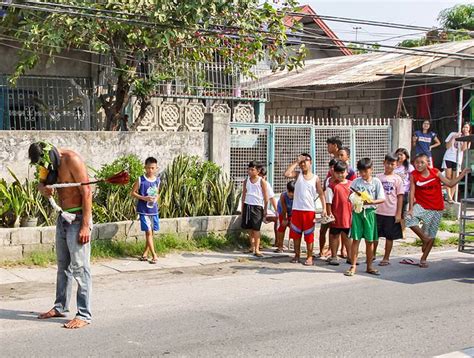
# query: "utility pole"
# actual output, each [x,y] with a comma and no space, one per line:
[357,28]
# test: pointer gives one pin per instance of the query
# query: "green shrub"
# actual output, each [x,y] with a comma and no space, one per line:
[22,200]
[114,202]
[131,163]
[190,187]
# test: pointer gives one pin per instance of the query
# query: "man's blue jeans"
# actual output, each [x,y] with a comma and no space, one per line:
[73,260]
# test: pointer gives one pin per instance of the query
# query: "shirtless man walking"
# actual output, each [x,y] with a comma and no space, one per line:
[72,240]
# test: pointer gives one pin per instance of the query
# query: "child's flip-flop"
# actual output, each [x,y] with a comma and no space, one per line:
[408,262]
[373,272]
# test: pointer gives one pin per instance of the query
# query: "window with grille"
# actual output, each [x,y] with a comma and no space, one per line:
[325,112]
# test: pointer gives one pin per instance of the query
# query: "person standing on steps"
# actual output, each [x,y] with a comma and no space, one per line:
[73,247]
[425,140]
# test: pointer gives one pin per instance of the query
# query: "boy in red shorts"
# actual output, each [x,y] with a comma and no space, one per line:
[338,205]
[285,206]
[307,190]
[426,202]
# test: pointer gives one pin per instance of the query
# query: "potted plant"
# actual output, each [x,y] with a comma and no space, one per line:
[31,211]
[13,200]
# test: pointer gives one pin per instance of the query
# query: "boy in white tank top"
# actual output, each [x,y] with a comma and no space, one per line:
[307,190]
[254,205]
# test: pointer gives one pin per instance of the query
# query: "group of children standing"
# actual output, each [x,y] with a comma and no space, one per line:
[354,208]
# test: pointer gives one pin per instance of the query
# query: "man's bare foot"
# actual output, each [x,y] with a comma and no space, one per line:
[423,264]
[75,323]
[50,314]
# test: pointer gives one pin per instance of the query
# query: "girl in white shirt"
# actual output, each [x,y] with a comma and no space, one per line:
[452,159]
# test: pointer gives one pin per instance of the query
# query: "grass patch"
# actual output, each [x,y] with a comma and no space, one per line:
[449,215]
[164,244]
[453,240]
[454,227]
[418,243]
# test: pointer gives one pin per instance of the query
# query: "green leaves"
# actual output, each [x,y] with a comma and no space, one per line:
[22,200]
[458,17]
[240,31]
[194,188]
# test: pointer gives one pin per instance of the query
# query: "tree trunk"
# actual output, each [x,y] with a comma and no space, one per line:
[144,103]
[115,105]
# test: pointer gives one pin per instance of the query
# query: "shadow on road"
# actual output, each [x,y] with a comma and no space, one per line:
[25,316]
[459,269]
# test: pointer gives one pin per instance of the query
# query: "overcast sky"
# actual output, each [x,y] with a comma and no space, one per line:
[410,12]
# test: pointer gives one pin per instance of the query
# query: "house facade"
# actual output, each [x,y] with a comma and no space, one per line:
[62,94]
[370,86]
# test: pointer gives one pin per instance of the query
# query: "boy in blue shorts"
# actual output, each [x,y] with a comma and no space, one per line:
[145,190]
[367,193]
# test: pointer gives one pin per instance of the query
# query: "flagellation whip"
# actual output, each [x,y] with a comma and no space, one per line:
[121,178]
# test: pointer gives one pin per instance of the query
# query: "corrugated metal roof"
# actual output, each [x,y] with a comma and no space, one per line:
[358,68]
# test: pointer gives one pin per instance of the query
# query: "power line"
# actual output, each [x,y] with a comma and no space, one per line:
[295,90]
[312,35]
[208,30]
[304,91]
[371,22]
[67,10]
[276,94]
[309,42]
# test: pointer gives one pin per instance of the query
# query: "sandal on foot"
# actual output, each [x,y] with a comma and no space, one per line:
[349,273]
[333,261]
[258,254]
[373,272]
[423,264]
[384,263]
[308,263]
[278,251]
[349,262]
[295,260]
[143,258]
[154,261]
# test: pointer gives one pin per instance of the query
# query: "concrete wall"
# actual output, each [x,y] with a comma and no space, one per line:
[361,102]
[76,64]
[98,148]
[18,243]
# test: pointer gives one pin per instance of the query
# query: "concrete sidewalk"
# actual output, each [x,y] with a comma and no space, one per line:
[20,274]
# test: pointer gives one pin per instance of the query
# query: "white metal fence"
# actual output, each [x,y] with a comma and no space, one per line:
[279,140]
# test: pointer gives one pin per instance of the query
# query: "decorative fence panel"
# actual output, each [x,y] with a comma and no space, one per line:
[286,137]
[47,103]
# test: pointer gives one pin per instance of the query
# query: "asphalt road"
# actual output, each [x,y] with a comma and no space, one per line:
[265,308]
